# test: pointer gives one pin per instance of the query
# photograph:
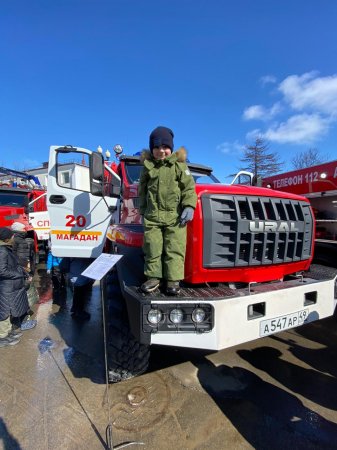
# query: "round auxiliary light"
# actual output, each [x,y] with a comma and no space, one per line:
[118,149]
[198,315]
[154,316]
[176,316]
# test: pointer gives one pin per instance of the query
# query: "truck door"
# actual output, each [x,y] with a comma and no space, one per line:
[79,202]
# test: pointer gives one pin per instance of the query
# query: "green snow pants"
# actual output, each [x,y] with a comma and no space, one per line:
[164,248]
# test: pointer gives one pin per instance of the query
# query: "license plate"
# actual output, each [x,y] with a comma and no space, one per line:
[281,323]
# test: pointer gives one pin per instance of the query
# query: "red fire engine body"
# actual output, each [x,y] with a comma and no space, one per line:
[319,184]
[247,250]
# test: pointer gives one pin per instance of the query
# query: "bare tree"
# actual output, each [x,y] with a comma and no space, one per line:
[259,160]
[307,158]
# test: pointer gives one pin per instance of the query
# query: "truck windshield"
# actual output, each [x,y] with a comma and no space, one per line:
[204,178]
[133,173]
[7,199]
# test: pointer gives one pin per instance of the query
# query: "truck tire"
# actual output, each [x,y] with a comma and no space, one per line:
[127,357]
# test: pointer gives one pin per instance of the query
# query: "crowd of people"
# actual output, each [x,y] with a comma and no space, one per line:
[16,275]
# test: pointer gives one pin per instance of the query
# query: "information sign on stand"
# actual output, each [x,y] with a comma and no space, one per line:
[101,266]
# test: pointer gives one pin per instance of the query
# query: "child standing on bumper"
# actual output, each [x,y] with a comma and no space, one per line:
[167,202]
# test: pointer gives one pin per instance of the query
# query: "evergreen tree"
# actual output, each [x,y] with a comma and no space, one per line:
[259,160]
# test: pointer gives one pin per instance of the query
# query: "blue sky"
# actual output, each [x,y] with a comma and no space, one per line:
[94,72]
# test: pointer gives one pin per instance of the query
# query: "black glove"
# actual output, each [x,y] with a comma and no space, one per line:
[186,215]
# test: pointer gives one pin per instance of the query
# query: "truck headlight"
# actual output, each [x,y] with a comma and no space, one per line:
[154,316]
[176,316]
[198,315]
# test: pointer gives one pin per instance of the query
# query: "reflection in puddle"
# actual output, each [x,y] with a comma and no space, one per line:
[46,344]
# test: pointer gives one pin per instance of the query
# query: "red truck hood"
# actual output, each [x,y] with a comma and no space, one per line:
[245,190]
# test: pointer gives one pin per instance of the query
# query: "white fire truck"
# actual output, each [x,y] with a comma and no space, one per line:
[319,184]
[246,269]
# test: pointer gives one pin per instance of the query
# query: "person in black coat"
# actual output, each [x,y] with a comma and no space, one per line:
[21,247]
[13,295]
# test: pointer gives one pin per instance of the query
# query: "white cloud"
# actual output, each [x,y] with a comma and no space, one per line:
[309,109]
[309,92]
[267,79]
[299,129]
[256,112]
[230,147]
[253,134]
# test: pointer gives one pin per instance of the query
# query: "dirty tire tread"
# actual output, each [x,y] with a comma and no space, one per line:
[127,357]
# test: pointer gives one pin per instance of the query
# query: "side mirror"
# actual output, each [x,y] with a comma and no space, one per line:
[257,180]
[96,174]
[97,166]
[26,206]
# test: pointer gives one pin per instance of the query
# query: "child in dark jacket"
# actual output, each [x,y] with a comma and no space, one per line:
[167,202]
[53,269]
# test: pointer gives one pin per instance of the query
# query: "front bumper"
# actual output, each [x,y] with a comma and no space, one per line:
[235,315]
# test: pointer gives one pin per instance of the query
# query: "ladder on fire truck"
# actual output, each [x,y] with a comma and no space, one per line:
[22,175]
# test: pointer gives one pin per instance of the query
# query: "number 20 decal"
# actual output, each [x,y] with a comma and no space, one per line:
[73,221]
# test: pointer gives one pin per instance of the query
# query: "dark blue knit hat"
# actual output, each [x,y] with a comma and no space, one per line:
[161,136]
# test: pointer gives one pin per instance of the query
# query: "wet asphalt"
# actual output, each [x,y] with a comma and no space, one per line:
[273,393]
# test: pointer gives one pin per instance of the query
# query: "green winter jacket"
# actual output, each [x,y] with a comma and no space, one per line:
[166,187]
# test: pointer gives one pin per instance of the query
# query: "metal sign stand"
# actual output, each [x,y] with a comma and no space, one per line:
[98,270]
[109,439]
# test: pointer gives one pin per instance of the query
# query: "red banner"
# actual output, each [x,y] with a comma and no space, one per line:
[321,178]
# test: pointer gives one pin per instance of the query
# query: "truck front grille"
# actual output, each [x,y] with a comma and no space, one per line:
[253,231]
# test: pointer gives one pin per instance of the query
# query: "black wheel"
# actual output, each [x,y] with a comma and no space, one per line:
[33,256]
[127,357]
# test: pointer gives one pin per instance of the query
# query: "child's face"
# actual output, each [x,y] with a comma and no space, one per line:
[161,152]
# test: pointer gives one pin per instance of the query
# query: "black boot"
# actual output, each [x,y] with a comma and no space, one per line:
[172,288]
[150,285]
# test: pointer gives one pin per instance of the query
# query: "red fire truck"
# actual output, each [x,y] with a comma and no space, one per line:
[248,252]
[23,199]
[319,184]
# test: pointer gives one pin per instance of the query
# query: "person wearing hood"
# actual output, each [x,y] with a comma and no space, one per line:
[14,305]
[167,202]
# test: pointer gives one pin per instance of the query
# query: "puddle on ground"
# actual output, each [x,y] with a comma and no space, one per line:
[46,344]
[140,403]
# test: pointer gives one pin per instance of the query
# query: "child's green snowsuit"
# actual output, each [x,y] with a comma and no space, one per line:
[166,187]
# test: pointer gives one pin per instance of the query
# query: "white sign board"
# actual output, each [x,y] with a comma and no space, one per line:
[101,266]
